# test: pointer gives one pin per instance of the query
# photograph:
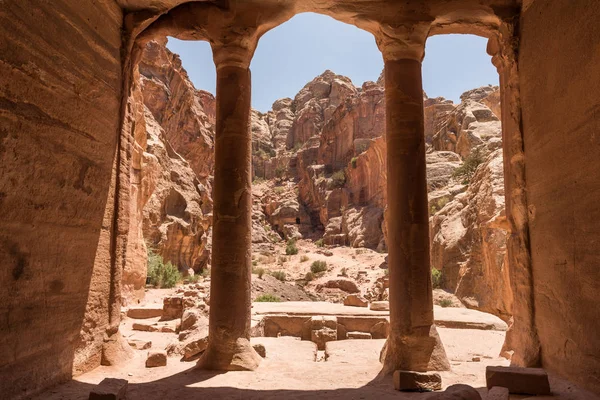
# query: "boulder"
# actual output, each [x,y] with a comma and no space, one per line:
[347,285]
[411,381]
[260,349]
[518,380]
[380,306]
[456,392]
[172,307]
[355,300]
[110,389]
[156,358]
[139,344]
[189,319]
[498,393]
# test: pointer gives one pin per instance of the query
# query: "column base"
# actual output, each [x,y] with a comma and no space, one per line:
[238,356]
[422,351]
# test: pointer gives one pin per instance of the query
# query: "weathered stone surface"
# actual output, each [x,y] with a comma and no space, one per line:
[260,349]
[498,393]
[358,335]
[469,232]
[66,169]
[346,285]
[380,306]
[323,329]
[110,389]
[355,301]
[172,307]
[411,381]
[156,358]
[518,380]
[139,344]
[171,199]
[60,99]
[322,336]
[145,312]
[456,392]
[560,181]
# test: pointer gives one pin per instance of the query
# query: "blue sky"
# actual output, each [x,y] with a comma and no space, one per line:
[292,54]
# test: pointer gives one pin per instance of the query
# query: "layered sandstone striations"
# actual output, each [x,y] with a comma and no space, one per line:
[171,171]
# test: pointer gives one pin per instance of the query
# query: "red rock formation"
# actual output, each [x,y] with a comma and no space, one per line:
[171,198]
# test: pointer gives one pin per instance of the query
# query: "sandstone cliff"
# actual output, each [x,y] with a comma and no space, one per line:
[171,194]
[323,157]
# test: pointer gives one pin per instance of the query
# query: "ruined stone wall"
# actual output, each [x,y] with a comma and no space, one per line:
[59,120]
[560,87]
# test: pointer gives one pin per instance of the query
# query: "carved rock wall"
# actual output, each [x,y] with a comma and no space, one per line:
[560,83]
[59,123]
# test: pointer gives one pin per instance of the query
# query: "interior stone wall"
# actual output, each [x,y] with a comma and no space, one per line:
[560,87]
[60,92]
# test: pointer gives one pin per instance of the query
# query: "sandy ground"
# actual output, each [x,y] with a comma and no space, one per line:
[290,371]
[294,369]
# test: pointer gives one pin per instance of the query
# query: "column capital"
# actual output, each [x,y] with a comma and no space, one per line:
[402,41]
[237,53]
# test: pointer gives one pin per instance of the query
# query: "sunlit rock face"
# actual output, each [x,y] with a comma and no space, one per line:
[172,166]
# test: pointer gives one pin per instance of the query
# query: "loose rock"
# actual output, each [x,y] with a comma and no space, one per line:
[156,358]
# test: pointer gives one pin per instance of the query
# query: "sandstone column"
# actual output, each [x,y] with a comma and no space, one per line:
[229,330]
[413,342]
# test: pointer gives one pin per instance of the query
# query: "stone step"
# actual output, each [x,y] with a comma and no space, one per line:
[358,335]
[145,312]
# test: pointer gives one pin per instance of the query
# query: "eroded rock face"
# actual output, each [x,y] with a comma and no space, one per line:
[171,196]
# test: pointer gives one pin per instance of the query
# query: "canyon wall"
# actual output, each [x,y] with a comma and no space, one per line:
[171,207]
[60,97]
[559,65]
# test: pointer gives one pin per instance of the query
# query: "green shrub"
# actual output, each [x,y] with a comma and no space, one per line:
[436,278]
[280,171]
[279,275]
[267,298]
[291,248]
[254,263]
[193,278]
[278,189]
[362,147]
[318,266]
[446,303]
[257,180]
[161,275]
[282,259]
[304,258]
[353,161]
[309,276]
[261,154]
[344,272]
[466,171]
[258,271]
[338,179]
[438,205]
[320,243]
